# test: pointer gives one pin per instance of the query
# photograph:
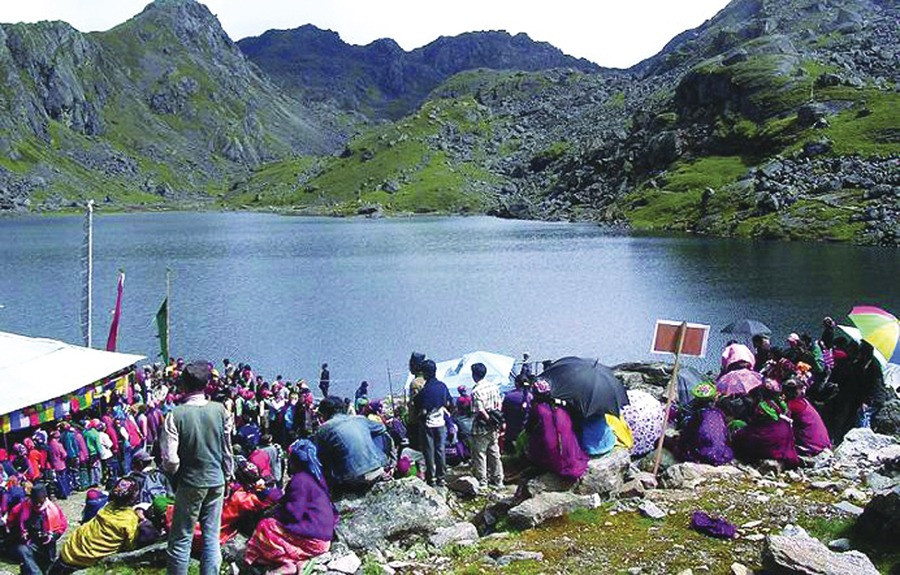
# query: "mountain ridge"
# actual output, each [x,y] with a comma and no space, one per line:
[771,120]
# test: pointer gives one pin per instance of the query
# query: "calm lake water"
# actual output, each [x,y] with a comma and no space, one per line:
[287,293]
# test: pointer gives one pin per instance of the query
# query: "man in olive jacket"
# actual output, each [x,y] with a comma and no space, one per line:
[196,453]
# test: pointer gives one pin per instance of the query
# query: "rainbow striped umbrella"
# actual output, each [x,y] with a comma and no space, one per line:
[879,328]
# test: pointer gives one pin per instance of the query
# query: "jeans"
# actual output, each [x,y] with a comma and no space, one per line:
[127,453]
[36,558]
[486,457]
[95,472]
[435,461]
[191,504]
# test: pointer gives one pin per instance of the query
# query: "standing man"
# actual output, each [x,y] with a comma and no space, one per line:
[196,451]
[431,404]
[324,380]
[486,431]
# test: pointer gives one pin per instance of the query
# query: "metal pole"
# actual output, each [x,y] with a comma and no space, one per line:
[671,396]
[88,293]
[168,312]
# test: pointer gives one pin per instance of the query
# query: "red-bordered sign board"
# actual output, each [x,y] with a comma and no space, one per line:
[665,338]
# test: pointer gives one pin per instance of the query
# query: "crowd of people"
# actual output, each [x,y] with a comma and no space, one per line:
[194,455]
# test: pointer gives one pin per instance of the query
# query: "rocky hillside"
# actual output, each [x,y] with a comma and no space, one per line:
[163,107]
[773,119]
[382,80]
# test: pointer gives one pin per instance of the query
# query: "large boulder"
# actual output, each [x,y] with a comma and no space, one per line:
[688,475]
[803,555]
[881,518]
[392,511]
[887,420]
[545,506]
[605,475]
[863,447]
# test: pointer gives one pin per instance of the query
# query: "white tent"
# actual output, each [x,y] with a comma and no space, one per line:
[456,372]
[35,370]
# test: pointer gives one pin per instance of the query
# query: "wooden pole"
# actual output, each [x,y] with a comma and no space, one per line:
[670,396]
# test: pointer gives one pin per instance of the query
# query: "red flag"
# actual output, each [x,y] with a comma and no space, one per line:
[114,327]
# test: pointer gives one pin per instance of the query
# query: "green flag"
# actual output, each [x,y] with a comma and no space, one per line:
[162,328]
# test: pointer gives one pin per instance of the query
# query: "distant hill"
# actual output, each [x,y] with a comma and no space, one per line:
[161,107]
[381,79]
[774,119]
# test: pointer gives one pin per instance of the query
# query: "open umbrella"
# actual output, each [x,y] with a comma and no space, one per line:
[589,386]
[747,327]
[879,328]
[738,382]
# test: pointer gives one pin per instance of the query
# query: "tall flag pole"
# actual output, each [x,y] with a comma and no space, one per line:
[87,259]
[168,303]
[117,314]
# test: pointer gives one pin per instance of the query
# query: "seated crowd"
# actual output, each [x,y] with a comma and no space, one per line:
[286,454]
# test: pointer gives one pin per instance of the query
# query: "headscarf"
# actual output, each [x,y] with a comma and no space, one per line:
[304,452]
[704,390]
[40,436]
[125,492]
[246,472]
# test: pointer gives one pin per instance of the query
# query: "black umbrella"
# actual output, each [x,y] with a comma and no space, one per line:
[590,387]
[747,327]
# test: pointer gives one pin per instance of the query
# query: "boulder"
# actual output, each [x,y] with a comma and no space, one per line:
[862,446]
[887,420]
[392,511]
[456,533]
[880,520]
[803,555]
[544,506]
[347,564]
[466,485]
[547,482]
[688,475]
[605,475]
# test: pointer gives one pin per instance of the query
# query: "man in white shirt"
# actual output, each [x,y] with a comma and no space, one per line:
[486,401]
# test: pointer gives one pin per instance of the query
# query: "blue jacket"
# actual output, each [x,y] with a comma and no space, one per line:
[434,395]
[347,448]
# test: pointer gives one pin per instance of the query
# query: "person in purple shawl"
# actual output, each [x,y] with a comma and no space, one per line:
[302,525]
[704,437]
[552,443]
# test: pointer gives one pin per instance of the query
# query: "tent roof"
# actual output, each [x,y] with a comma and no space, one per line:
[458,371]
[33,370]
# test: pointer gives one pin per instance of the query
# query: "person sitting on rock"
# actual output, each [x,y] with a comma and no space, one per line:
[246,504]
[347,447]
[704,436]
[552,443]
[112,530]
[768,434]
[152,482]
[810,433]
[303,522]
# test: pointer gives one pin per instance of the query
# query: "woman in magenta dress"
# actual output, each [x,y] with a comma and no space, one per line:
[704,437]
[769,433]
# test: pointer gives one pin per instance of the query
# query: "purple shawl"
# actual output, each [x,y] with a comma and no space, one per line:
[552,443]
[705,438]
[766,439]
[305,509]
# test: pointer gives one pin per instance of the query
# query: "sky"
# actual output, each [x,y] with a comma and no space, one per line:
[613,33]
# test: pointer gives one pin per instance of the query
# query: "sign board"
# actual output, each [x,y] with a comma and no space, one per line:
[665,338]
